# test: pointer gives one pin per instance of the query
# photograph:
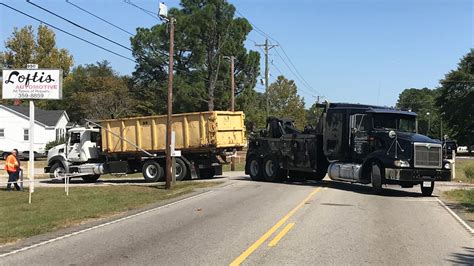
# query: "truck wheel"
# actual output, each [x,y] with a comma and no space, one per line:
[181,170]
[376,178]
[272,171]
[152,171]
[90,178]
[427,191]
[255,168]
[57,171]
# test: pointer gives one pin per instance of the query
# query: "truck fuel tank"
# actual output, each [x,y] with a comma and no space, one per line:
[344,171]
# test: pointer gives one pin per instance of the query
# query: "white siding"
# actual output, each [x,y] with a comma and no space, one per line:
[62,122]
[14,125]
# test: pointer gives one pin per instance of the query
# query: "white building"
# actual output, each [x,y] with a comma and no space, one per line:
[14,127]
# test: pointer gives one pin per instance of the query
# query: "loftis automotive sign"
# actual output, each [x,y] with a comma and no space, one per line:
[41,84]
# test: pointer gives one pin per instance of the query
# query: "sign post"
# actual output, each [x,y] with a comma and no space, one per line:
[32,84]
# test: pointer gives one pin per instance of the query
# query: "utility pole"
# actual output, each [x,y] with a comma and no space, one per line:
[232,84]
[232,99]
[267,48]
[169,171]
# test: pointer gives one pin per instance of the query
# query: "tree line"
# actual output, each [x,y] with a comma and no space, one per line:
[448,109]
[206,33]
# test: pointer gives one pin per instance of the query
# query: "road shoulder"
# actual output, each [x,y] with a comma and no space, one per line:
[459,210]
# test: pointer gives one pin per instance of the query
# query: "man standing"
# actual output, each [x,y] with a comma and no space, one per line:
[12,166]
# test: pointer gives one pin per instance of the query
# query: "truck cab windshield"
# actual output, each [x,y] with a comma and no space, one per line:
[394,122]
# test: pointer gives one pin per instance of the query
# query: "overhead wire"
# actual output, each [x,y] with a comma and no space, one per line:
[148,12]
[292,71]
[77,25]
[96,16]
[293,68]
[66,32]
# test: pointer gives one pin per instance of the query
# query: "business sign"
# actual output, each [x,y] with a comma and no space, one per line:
[39,84]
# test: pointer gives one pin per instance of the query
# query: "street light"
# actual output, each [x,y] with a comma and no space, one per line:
[429,123]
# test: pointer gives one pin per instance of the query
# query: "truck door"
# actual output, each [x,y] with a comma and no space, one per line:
[359,144]
[334,134]
[74,147]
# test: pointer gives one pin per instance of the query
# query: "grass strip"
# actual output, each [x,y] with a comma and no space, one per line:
[51,209]
[465,198]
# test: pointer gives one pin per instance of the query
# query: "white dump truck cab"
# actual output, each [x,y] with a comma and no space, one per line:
[83,144]
[78,157]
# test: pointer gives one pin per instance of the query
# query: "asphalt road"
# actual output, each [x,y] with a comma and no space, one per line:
[304,224]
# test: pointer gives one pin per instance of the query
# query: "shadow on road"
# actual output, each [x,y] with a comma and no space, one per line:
[118,180]
[357,188]
[464,258]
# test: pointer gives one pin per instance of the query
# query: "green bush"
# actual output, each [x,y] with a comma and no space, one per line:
[53,144]
[469,171]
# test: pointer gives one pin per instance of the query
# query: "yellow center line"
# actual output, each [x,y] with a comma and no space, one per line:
[281,235]
[272,230]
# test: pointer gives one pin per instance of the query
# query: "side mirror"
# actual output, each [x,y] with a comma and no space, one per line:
[392,134]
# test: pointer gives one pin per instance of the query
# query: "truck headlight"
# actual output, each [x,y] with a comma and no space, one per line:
[401,163]
[447,165]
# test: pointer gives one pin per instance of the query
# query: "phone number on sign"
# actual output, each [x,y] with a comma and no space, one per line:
[31,95]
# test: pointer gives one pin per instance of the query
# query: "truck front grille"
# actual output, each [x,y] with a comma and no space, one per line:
[427,155]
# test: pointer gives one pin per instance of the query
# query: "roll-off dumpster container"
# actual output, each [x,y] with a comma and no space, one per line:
[198,131]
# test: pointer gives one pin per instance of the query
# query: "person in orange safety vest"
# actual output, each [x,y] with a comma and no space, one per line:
[12,166]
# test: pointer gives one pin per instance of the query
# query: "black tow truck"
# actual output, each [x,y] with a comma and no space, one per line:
[351,142]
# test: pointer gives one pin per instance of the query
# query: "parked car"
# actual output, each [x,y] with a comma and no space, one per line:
[23,155]
[462,149]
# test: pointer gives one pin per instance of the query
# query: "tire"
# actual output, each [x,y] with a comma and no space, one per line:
[181,170]
[255,168]
[57,171]
[427,191]
[272,171]
[90,178]
[207,173]
[376,178]
[152,171]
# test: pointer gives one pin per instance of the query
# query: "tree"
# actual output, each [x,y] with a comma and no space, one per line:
[95,91]
[24,47]
[206,31]
[313,115]
[285,102]
[456,99]
[422,102]
[253,104]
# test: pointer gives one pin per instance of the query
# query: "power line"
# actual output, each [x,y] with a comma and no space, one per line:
[296,73]
[296,69]
[110,23]
[275,66]
[94,15]
[257,29]
[289,68]
[70,34]
[148,12]
[79,26]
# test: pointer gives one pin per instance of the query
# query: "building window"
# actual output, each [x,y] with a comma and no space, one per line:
[2,132]
[59,134]
[26,134]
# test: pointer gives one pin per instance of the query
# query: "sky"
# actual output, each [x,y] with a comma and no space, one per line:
[357,51]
